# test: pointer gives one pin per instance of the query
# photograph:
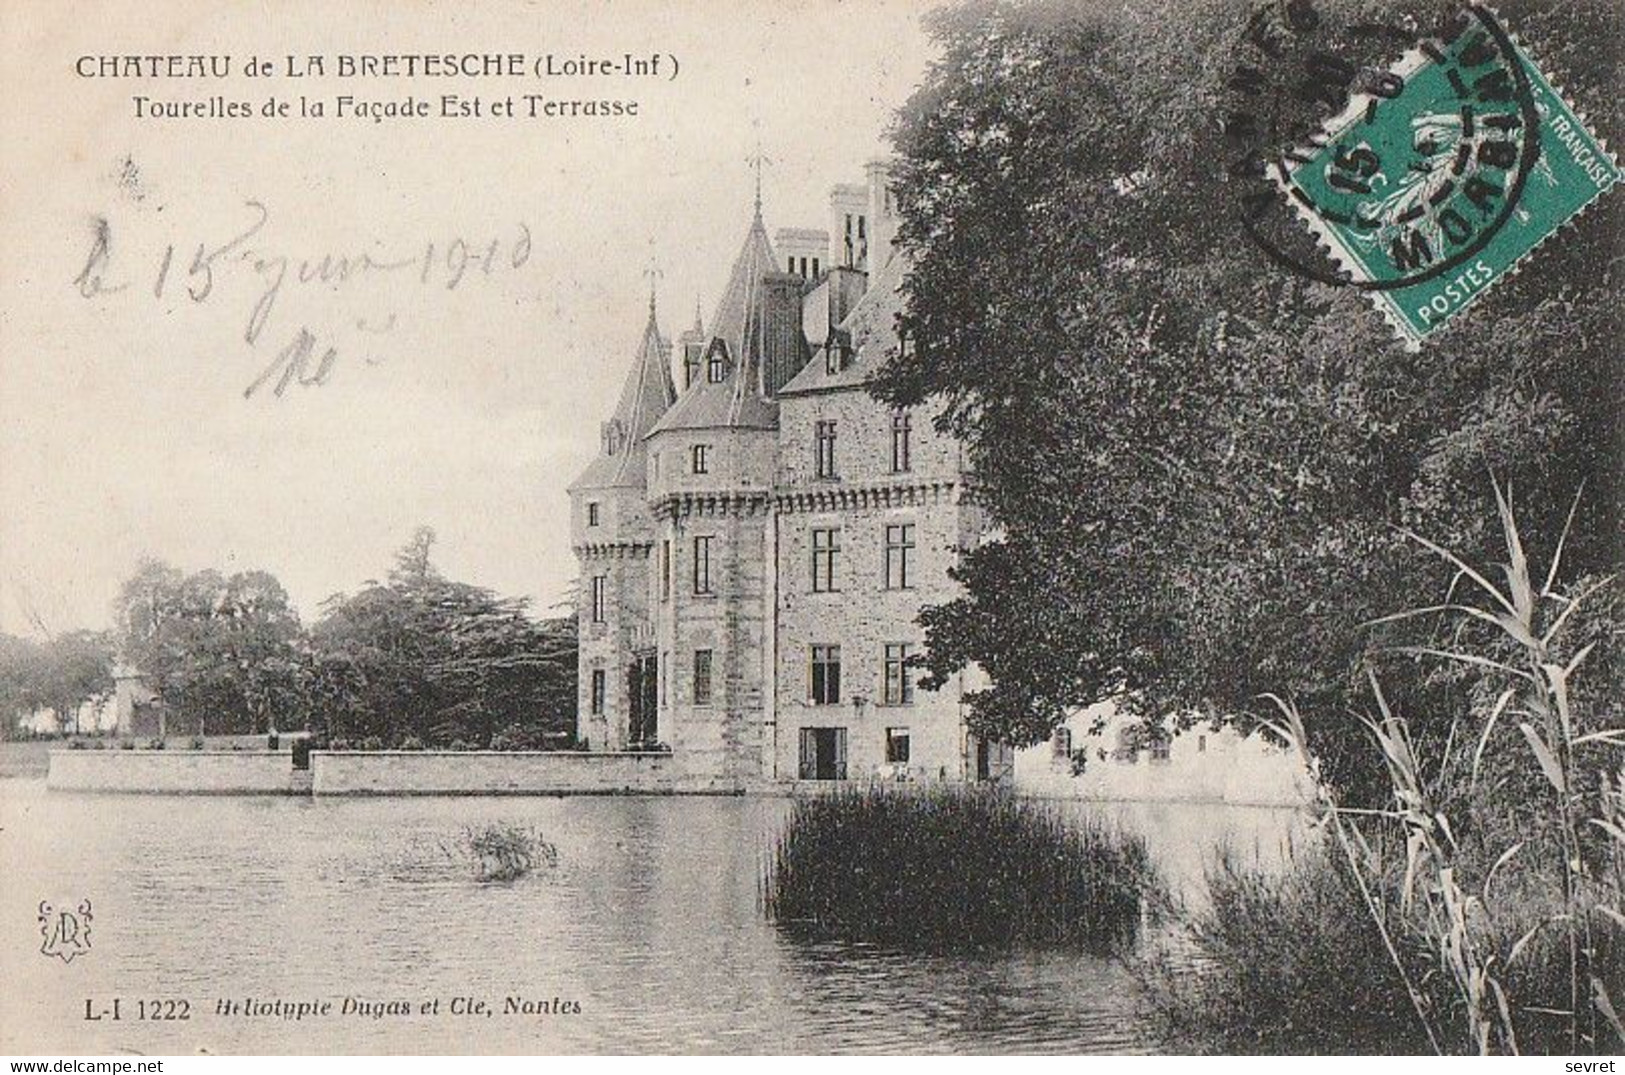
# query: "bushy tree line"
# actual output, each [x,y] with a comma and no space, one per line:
[416,658]
[61,673]
[1197,460]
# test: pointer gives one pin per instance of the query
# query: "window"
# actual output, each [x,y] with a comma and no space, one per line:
[665,663]
[815,268]
[716,369]
[826,555]
[824,449]
[592,513]
[1128,745]
[599,685]
[702,677]
[900,556]
[897,746]
[600,597]
[702,565]
[901,427]
[826,675]
[899,677]
[1159,749]
[905,340]
[665,570]
[1061,742]
[702,459]
[1201,744]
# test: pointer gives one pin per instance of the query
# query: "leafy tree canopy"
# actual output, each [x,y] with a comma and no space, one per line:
[61,673]
[222,652]
[426,657]
[1195,460]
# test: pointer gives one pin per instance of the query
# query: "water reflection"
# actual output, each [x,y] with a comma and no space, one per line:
[649,922]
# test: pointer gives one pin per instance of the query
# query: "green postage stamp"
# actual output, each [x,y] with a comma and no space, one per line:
[1461,162]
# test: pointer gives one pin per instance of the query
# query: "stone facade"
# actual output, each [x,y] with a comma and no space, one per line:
[782,514]
[1101,753]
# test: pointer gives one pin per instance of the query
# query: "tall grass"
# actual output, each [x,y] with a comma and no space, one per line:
[949,868]
[1282,961]
[1289,960]
[1552,927]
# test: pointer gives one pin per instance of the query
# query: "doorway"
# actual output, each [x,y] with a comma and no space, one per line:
[823,754]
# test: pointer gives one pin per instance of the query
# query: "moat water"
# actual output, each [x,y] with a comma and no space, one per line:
[646,936]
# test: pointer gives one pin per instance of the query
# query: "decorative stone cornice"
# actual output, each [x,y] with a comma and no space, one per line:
[743,502]
[614,550]
[843,497]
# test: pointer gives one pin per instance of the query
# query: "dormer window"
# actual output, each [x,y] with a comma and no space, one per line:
[613,435]
[837,352]
[716,370]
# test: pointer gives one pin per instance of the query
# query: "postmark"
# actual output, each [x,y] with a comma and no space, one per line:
[1427,194]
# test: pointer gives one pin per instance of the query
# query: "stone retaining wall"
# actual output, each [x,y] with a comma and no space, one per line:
[179,772]
[432,772]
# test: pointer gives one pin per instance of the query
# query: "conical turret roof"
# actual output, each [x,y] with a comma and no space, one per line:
[645,396]
[738,400]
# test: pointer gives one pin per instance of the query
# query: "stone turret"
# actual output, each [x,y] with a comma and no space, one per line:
[613,533]
[710,472]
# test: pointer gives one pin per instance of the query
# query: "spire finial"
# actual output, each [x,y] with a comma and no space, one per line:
[699,326]
[653,274]
[758,161]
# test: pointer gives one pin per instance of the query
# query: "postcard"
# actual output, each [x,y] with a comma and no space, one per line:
[836,527]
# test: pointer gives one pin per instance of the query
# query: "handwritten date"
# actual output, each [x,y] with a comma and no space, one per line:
[194,270]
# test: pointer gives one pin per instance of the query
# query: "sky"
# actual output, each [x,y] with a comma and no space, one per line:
[467,380]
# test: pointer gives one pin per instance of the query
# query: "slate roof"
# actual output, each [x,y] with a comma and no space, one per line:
[871,328]
[738,400]
[646,395]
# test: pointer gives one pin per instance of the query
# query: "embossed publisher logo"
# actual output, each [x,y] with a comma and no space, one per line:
[66,933]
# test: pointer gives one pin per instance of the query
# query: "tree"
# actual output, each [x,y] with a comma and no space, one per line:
[17,670]
[438,660]
[222,653]
[1196,461]
[61,673]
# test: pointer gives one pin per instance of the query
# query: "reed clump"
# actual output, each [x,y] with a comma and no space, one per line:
[1280,961]
[501,851]
[1462,914]
[949,868]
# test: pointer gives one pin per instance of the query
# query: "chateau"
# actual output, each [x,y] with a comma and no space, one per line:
[757,534]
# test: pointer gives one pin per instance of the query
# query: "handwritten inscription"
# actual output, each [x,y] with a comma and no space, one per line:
[195,269]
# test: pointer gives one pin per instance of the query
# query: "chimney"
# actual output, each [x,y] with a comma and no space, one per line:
[784,349]
[882,213]
[802,251]
[849,226]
